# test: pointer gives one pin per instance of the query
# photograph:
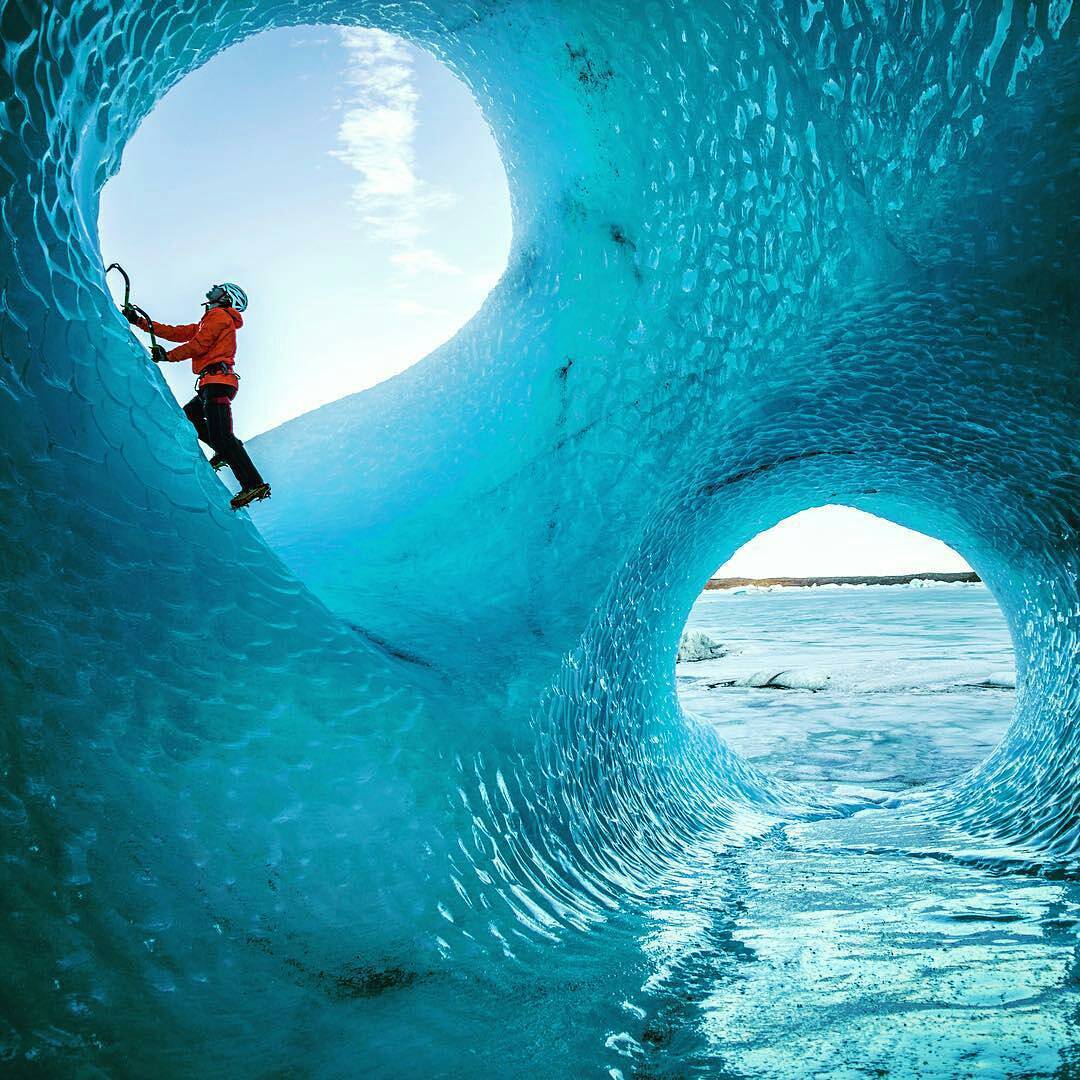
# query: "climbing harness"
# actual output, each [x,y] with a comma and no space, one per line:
[134,307]
[220,368]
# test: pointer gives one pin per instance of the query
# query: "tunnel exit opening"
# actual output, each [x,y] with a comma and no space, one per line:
[842,650]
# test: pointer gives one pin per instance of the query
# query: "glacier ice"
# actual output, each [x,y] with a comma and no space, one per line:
[311,793]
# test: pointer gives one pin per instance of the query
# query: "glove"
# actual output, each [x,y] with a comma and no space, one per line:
[130,314]
[158,354]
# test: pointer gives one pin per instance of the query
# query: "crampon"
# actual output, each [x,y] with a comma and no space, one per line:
[250,495]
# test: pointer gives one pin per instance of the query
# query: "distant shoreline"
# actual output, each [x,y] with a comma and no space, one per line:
[967,577]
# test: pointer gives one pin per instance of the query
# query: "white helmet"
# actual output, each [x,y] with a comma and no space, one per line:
[227,293]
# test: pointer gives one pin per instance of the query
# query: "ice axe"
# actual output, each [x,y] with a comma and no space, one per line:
[134,307]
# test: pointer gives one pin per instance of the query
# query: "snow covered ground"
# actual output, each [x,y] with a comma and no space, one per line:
[853,687]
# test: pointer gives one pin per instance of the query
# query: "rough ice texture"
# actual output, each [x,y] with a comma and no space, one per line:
[766,256]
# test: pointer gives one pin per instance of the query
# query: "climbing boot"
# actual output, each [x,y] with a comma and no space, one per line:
[250,495]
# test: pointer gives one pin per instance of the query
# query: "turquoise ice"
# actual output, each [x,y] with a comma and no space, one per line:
[398,781]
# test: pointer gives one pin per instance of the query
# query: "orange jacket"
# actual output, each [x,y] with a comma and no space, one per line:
[210,341]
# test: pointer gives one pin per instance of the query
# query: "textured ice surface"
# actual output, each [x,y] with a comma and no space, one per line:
[420,760]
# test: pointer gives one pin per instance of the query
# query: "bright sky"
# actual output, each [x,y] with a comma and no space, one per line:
[348,182]
[345,179]
[839,541]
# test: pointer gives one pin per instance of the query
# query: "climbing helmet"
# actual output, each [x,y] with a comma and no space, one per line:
[227,293]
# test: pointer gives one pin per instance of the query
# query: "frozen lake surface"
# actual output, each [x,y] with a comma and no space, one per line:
[866,687]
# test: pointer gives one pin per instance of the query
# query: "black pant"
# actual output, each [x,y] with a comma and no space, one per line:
[210,413]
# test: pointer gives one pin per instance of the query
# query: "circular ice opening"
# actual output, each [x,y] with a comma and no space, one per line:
[346,179]
[843,650]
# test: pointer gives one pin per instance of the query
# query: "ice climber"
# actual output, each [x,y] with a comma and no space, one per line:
[210,345]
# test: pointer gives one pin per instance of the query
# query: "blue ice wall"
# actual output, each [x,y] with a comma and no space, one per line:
[418,732]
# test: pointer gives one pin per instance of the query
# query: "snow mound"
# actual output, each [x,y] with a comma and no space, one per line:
[882,678]
[696,645]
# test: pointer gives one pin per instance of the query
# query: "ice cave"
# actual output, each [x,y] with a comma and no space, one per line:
[446,817]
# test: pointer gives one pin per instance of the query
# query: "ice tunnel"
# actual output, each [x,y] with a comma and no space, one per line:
[409,752]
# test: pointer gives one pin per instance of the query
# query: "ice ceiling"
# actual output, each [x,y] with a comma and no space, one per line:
[766,256]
